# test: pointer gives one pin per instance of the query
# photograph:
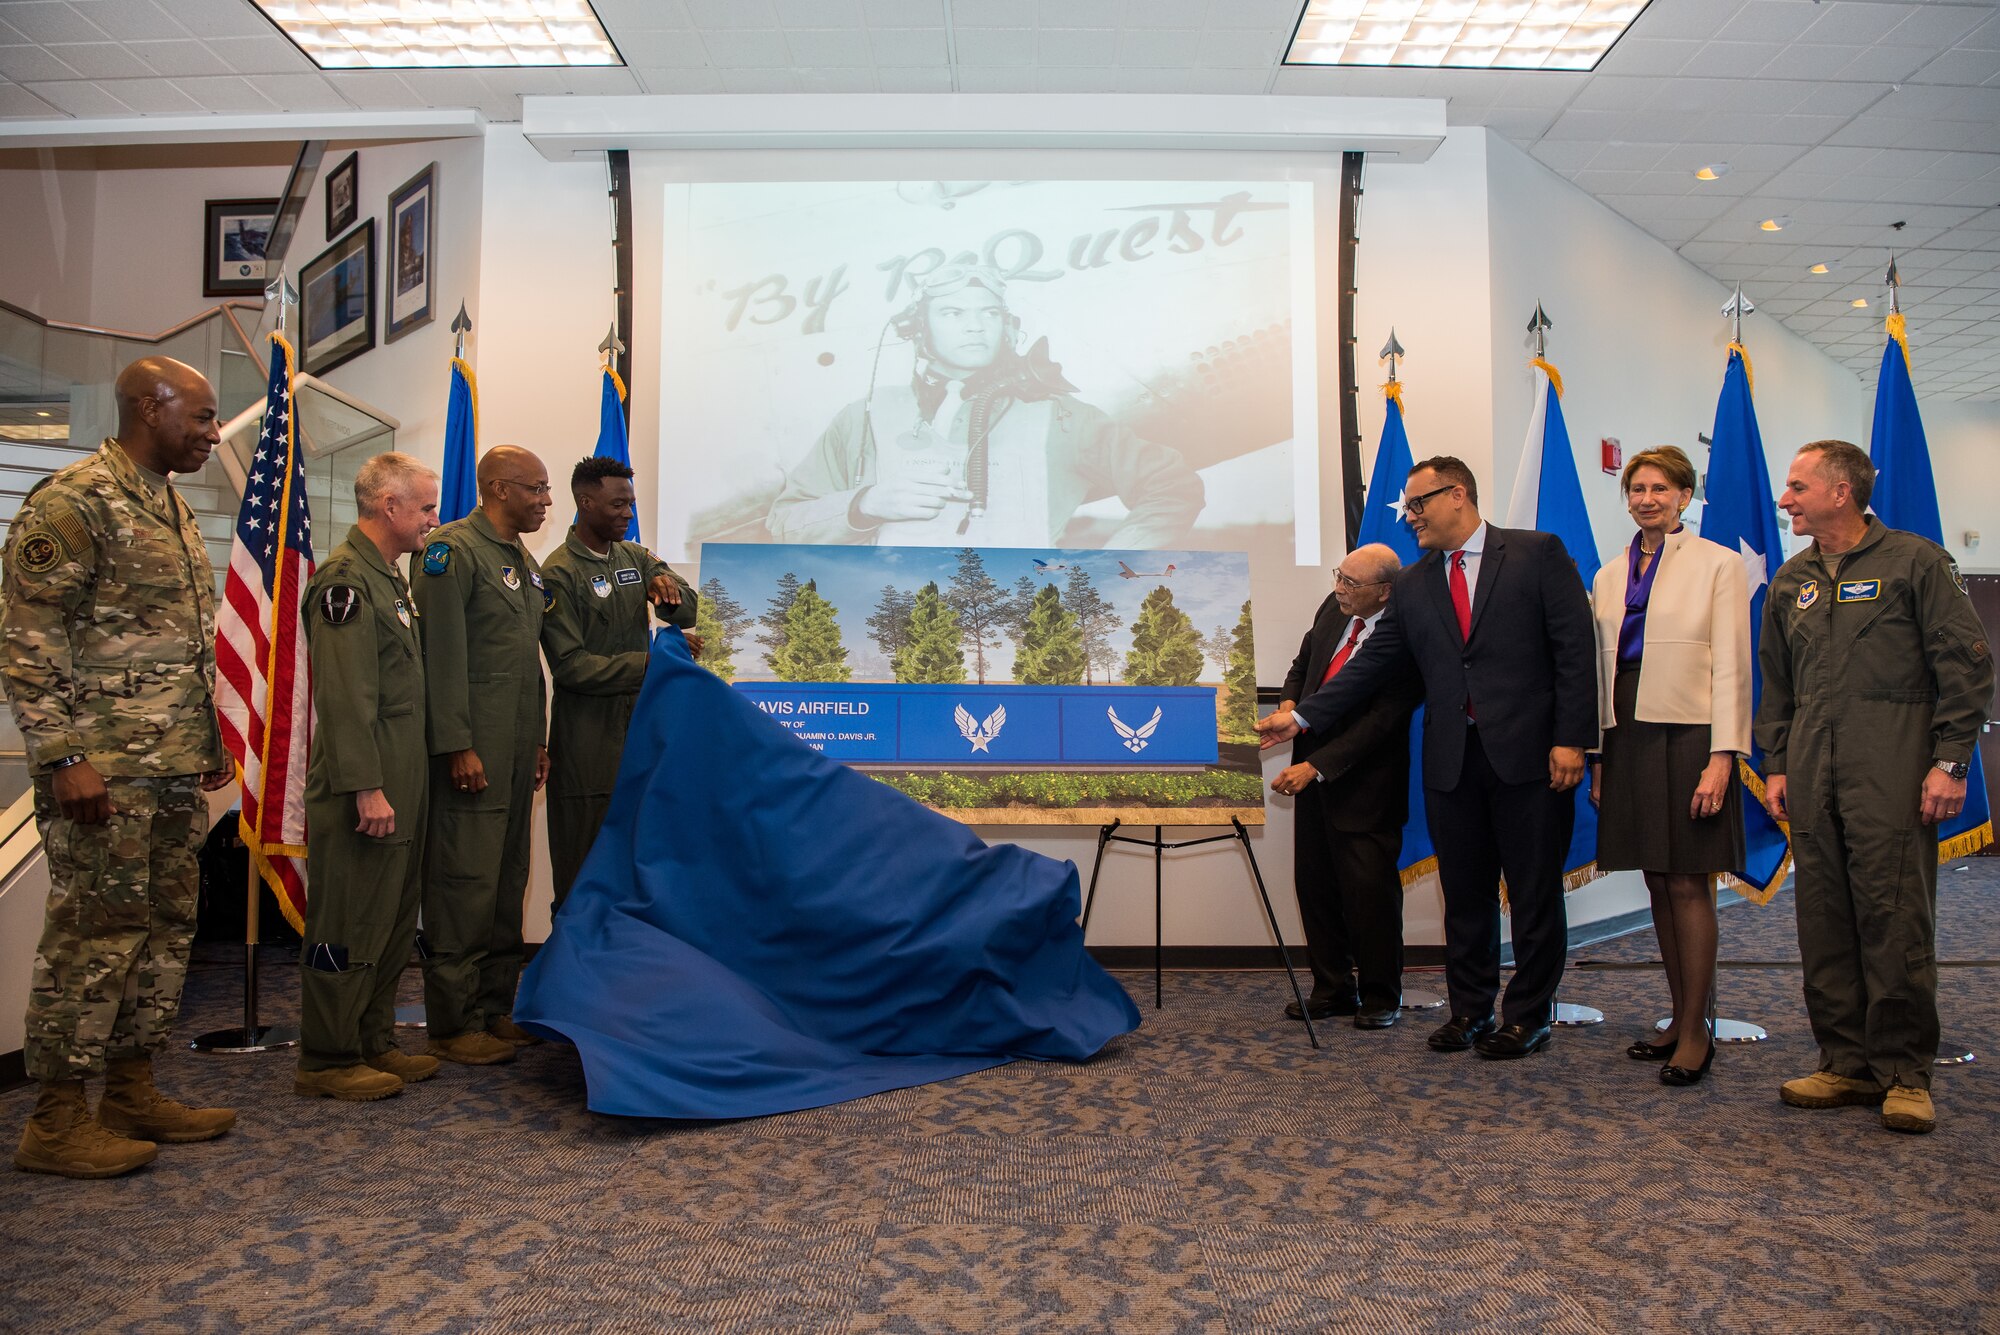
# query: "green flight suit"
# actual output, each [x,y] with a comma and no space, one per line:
[482,600]
[368,703]
[1872,671]
[596,636]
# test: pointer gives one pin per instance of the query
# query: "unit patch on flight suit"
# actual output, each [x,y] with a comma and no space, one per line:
[509,577]
[339,603]
[1808,593]
[437,557]
[600,586]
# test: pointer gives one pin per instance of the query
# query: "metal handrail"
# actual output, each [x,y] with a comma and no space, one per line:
[227,310]
[19,839]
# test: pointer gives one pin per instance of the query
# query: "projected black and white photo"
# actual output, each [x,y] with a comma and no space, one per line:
[1079,364]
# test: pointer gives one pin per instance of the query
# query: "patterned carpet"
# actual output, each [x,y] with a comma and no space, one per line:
[1210,1173]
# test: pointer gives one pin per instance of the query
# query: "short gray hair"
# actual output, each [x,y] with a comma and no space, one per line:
[386,474]
[1844,461]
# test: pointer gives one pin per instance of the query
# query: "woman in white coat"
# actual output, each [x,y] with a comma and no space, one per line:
[1673,690]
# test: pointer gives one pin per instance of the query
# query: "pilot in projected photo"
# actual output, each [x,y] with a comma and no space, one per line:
[981,445]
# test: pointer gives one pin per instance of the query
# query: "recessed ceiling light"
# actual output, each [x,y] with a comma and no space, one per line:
[1461,34]
[442,34]
[1775,224]
[1714,171]
[1819,268]
[1859,303]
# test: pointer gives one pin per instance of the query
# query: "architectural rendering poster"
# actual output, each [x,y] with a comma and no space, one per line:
[1004,685]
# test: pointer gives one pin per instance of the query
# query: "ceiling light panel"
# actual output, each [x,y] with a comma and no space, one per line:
[1461,34]
[443,34]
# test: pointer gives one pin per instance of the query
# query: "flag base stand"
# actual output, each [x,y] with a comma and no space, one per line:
[252,1037]
[1105,837]
[1422,1001]
[1955,1054]
[411,1016]
[1726,1031]
[1570,1016]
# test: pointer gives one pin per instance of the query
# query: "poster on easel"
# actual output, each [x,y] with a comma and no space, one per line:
[1004,686]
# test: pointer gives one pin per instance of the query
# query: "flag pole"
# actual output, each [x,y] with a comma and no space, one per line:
[253,1037]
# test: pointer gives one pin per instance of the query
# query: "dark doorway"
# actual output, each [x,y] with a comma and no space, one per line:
[1985,591]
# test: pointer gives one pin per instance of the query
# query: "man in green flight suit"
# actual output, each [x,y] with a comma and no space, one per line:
[366,791]
[595,634]
[482,596]
[1877,678]
[108,616]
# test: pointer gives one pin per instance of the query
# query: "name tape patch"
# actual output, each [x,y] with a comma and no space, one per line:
[1858,591]
[628,577]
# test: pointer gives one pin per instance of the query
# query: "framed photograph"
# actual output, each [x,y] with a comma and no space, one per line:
[337,301]
[412,224]
[234,232]
[343,195]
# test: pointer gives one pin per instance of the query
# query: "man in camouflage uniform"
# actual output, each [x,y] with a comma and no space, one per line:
[482,597]
[366,791]
[108,612]
[596,636]
[1877,678]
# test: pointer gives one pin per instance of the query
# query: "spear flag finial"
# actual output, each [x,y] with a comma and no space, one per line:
[1895,288]
[461,325]
[1538,326]
[612,345]
[1736,308]
[1392,350]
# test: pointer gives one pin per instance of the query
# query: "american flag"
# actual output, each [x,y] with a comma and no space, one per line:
[265,695]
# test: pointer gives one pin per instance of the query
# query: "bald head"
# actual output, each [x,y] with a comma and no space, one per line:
[167,418]
[1379,559]
[513,490]
[1361,585]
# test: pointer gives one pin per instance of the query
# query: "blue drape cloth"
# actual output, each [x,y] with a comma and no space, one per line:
[759,929]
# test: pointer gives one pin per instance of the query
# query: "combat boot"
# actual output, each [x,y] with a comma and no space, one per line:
[131,1106]
[352,1084]
[1907,1109]
[507,1031]
[1824,1089]
[62,1138]
[477,1048]
[409,1067]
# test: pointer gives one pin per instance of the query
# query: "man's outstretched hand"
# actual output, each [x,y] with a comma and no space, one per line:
[1279,726]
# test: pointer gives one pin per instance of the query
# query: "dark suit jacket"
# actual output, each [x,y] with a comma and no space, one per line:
[1527,667]
[1365,767]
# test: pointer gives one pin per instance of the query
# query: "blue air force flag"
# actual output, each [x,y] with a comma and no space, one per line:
[458,487]
[1382,521]
[611,439]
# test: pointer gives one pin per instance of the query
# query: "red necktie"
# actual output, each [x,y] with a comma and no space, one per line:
[1461,597]
[1346,651]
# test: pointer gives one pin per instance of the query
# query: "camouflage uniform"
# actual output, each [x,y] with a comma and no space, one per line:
[368,697]
[108,613]
[482,599]
[596,635]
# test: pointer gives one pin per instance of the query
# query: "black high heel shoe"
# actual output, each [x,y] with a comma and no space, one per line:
[1689,1075]
[1642,1051]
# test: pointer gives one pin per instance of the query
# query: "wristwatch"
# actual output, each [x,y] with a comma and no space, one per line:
[66,762]
[1953,769]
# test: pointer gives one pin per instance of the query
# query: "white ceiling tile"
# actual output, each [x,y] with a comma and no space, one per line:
[1078,13]
[1685,18]
[308,91]
[712,14]
[913,79]
[987,13]
[155,97]
[32,64]
[680,49]
[1152,48]
[227,94]
[904,13]
[1147,79]
[598,82]
[1886,64]
[1961,67]
[1612,93]
[75,98]
[1241,48]
[1841,99]
[1230,81]
[822,14]
[1566,157]
[678,80]
[997,78]
[1523,125]
[827,46]
[17,102]
[621,16]
[374,89]
[780,79]
[994,46]
[1770,21]
[839,79]
[1553,91]
[133,21]
[100,60]
[1168,13]
[1097,47]
[1638,55]
[1074,79]
[217,18]
[1854,23]
[1810,62]
[1247,13]
[758,49]
[177,60]
[268,54]
[48,22]
[1731,60]
[1939,26]
[910,46]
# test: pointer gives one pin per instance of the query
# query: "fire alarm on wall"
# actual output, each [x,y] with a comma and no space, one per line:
[1614,455]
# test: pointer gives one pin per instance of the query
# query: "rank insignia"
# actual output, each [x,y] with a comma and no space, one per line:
[40,552]
[628,577]
[402,611]
[600,586]
[339,604]
[535,578]
[1808,593]
[510,577]
[1858,591]
[437,558]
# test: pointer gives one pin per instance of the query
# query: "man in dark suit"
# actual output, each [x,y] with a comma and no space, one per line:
[1497,624]
[1353,791]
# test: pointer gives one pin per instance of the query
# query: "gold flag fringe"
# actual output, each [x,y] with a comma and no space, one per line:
[1965,845]
[1394,390]
[1555,376]
[1749,375]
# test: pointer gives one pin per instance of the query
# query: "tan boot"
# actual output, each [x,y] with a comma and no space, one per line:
[474,1049]
[1824,1089]
[351,1084]
[131,1106]
[62,1138]
[507,1031]
[409,1067]
[1906,1109]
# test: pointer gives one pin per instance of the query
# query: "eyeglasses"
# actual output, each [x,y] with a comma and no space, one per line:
[532,488]
[1342,581]
[1414,505]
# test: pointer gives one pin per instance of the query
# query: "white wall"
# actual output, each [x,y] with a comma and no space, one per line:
[48,219]
[1965,456]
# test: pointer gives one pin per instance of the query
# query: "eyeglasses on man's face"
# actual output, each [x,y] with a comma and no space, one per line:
[535,489]
[1414,505]
[1343,580]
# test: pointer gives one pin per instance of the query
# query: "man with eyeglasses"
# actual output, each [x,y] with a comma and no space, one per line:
[1497,624]
[1353,790]
[481,597]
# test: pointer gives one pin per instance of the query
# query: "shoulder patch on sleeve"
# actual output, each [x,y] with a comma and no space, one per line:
[437,558]
[69,527]
[548,598]
[339,604]
[39,552]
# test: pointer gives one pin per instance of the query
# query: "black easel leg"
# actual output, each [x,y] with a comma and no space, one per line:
[1159,931]
[1090,894]
[1270,914]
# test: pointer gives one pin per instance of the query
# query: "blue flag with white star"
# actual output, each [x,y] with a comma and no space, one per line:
[1905,497]
[1738,513]
[458,487]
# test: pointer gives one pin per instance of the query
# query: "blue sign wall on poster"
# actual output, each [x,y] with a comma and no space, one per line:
[1007,725]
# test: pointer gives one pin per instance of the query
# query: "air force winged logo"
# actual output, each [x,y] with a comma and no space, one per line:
[1135,738]
[980,734]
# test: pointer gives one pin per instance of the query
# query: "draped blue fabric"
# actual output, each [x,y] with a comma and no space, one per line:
[759,929]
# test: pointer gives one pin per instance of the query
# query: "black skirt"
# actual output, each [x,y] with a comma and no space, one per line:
[1650,774]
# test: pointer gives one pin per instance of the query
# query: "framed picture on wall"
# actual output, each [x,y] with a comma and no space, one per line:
[337,302]
[412,224]
[343,195]
[234,233]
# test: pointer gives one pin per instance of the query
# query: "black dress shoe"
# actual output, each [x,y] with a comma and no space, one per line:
[1460,1032]
[1321,1008]
[1377,1015]
[1642,1051]
[1688,1075]
[1514,1040]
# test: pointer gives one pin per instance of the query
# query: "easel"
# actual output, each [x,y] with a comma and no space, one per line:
[1106,836]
